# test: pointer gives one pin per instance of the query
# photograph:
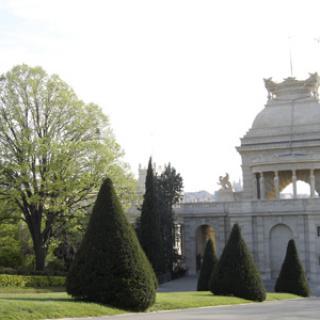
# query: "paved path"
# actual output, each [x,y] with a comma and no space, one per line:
[188,283]
[301,309]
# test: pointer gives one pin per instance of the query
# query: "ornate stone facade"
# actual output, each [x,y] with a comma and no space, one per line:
[281,148]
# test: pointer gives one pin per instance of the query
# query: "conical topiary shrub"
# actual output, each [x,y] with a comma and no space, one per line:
[210,261]
[110,267]
[292,278]
[236,273]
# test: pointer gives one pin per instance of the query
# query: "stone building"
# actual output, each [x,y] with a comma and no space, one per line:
[281,148]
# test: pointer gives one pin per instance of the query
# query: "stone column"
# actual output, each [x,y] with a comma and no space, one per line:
[189,245]
[276,184]
[256,184]
[262,189]
[312,183]
[181,231]
[294,184]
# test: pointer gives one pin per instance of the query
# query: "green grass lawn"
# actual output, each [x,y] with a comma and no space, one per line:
[194,299]
[27,304]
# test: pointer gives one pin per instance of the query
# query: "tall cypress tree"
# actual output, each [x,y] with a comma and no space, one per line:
[210,261]
[170,186]
[292,278]
[150,231]
[110,267]
[236,273]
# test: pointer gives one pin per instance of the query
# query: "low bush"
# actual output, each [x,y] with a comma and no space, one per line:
[45,281]
[7,280]
[25,271]
[19,281]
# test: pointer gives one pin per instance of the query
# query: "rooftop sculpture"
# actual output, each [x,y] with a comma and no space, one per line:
[291,86]
[224,182]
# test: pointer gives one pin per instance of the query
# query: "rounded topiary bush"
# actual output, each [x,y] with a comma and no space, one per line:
[110,267]
[210,260]
[236,273]
[292,278]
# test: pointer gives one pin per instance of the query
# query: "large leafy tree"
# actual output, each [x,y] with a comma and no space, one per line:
[54,151]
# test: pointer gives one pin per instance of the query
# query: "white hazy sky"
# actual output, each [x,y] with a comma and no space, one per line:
[179,80]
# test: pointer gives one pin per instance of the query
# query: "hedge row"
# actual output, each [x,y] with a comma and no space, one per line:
[27,272]
[18,281]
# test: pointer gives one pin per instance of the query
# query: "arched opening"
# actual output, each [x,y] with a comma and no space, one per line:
[280,184]
[203,234]
[279,238]
[303,191]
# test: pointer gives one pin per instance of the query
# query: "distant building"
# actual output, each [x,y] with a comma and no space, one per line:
[199,196]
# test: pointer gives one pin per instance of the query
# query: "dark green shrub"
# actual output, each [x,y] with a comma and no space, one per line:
[4,270]
[236,273]
[209,262]
[56,266]
[292,278]
[110,267]
[44,281]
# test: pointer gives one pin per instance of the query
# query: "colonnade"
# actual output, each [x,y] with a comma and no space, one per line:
[280,179]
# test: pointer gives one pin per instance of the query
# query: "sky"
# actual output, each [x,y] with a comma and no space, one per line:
[181,81]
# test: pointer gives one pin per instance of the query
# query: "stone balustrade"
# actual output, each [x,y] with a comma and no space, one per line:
[289,206]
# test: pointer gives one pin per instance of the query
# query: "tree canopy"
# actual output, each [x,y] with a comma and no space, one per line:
[54,151]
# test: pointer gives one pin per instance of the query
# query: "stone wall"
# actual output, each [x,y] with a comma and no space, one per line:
[266,227]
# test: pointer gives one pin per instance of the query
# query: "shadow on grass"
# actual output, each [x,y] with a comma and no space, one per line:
[27,290]
[58,300]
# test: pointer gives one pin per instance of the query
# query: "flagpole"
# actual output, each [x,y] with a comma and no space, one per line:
[290,56]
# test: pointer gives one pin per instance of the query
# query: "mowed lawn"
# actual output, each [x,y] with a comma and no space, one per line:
[40,304]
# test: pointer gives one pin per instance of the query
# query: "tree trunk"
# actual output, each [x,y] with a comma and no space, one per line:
[39,247]
[40,253]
